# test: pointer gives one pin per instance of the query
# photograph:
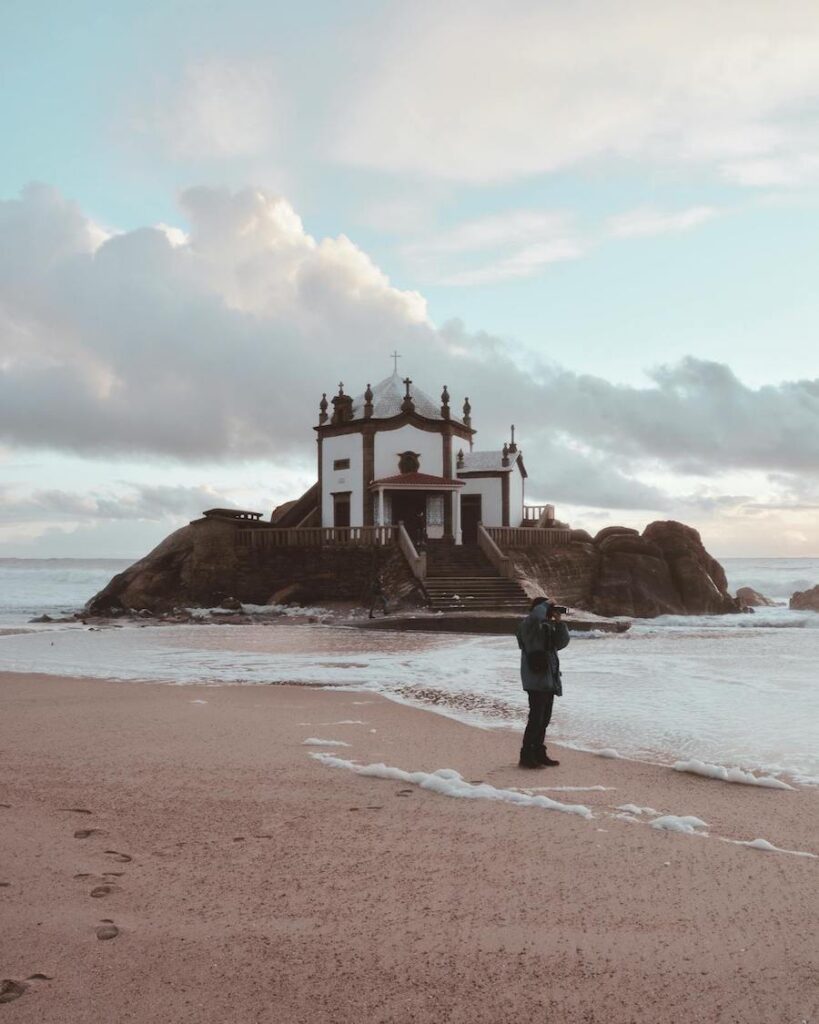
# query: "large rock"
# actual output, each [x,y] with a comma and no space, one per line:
[635,584]
[805,600]
[611,531]
[664,571]
[207,564]
[699,578]
[750,598]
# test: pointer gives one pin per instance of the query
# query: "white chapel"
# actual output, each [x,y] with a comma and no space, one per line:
[393,455]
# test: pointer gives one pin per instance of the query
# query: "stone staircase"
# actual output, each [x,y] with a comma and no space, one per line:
[461,578]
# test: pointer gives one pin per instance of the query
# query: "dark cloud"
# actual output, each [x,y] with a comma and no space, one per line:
[139,502]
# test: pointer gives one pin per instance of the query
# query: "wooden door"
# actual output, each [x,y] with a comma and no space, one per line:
[341,509]
[470,517]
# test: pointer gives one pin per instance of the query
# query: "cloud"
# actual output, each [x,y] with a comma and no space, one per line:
[470,92]
[213,345]
[523,263]
[215,108]
[695,416]
[647,221]
[512,228]
[521,242]
[151,503]
[217,347]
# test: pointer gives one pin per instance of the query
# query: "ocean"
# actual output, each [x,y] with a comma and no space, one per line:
[736,691]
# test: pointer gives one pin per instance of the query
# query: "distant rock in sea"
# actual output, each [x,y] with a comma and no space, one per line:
[805,600]
[750,598]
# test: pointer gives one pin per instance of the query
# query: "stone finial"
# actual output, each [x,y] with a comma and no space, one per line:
[445,403]
[460,458]
[323,409]
[505,459]
[368,403]
[342,407]
[407,405]
[512,446]
[467,413]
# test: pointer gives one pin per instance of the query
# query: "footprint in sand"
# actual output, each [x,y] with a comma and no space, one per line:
[39,977]
[7,806]
[84,833]
[122,858]
[11,990]
[4,885]
[114,874]
[107,931]
[101,890]
[76,810]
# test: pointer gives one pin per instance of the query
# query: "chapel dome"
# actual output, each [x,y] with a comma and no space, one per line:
[388,395]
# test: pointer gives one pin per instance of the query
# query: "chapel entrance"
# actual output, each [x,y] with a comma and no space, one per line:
[341,509]
[410,508]
[471,514]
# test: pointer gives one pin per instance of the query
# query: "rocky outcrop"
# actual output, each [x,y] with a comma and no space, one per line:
[663,571]
[206,565]
[805,600]
[750,598]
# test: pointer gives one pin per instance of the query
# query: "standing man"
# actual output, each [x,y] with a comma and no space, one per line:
[540,636]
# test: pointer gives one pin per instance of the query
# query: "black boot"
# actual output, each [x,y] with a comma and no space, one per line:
[529,758]
[544,760]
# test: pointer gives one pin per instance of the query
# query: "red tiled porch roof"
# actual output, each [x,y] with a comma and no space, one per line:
[419,480]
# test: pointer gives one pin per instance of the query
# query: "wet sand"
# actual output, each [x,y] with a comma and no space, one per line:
[241,880]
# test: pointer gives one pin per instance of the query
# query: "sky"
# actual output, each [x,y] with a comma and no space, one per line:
[597,220]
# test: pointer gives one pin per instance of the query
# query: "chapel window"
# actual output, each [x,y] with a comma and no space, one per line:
[341,463]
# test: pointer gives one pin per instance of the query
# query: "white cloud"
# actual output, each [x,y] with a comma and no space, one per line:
[517,243]
[470,92]
[647,221]
[524,263]
[215,108]
[512,228]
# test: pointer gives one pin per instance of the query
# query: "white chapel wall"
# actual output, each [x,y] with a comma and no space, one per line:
[389,443]
[516,497]
[491,494]
[344,446]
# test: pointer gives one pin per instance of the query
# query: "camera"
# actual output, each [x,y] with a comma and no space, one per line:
[559,608]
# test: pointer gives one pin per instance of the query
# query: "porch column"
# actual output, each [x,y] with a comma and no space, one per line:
[380,506]
[456,515]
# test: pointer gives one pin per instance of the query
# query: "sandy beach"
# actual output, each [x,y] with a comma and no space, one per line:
[251,882]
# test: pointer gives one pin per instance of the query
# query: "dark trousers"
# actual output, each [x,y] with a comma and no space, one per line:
[540,714]
[378,599]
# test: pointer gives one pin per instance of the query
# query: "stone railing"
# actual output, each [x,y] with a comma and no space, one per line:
[528,536]
[538,513]
[417,562]
[317,536]
[501,562]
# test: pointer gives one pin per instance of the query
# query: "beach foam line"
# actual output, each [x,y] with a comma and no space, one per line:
[716,771]
[636,809]
[763,844]
[685,823]
[448,782]
[315,741]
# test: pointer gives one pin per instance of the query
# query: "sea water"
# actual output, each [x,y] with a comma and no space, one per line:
[735,690]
